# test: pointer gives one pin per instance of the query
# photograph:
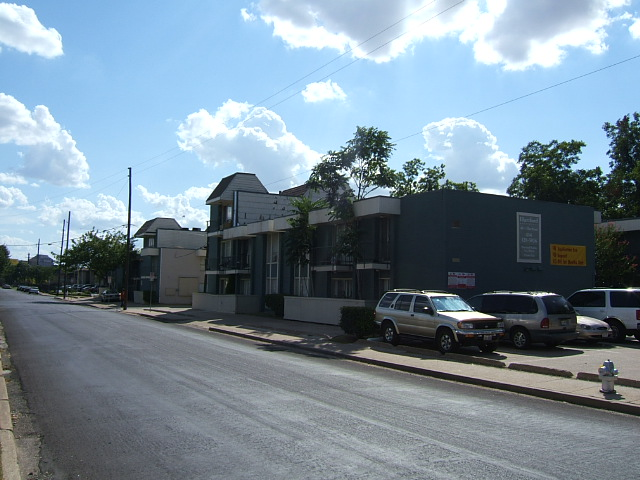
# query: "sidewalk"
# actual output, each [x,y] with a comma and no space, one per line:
[582,388]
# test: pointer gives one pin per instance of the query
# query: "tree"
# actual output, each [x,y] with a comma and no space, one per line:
[363,161]
[614,266]
[546,173]
[416,177]
[4,260]
[100,253]
[299,239]
[622,190]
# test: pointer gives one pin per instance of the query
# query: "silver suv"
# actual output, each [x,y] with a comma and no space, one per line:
[443,316]
[530,317]
[619,307]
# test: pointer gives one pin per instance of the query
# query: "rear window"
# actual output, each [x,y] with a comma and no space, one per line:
[629,299]
[556,304]
[517,304]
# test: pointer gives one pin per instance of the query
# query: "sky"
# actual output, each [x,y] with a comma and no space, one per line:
[187,92]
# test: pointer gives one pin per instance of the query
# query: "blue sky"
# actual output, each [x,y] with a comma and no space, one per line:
[188,92]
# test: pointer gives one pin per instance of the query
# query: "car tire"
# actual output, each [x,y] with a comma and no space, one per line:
[389,333]
[488,347]
[520,338]
[446,341]
[618,331]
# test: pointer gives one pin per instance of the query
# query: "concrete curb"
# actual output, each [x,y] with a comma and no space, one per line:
[9,453]
[531,391]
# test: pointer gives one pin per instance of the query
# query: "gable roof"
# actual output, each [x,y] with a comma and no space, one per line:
[150,227]
[247,182]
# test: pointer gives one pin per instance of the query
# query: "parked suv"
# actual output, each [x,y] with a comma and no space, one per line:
[443,316]
[530,317]
[619,307]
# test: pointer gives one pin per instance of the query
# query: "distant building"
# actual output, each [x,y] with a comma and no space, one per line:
[173,262]
[42,261]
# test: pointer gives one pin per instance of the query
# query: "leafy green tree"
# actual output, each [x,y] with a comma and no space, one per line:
[4,261]
[416,177]
[101,253]
[622,190]
[614,266]
[299,239]
[546,173]
[363,161]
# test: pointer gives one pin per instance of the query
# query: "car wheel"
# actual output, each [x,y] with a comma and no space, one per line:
[520,338]
[389,333]
[488,347]
[446,341]
[618,332]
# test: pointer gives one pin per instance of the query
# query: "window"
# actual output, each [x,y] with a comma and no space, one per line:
[629,299]
[273,250]
[342,287]
[404,302]
[301,280]
[587,299]
[420,304]
[387,300]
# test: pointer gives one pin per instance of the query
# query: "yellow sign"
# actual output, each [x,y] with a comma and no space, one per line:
[569,255]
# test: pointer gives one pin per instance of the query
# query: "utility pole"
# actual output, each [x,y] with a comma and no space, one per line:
[126,266]
[66,250]
[38,255]
[60,261]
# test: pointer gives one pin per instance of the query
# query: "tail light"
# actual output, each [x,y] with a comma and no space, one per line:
[637,314]
[544,323]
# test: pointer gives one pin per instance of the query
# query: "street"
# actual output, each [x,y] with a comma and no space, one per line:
[119,396]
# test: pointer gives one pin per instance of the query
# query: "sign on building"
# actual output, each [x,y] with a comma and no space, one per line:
[529,237]
[569,255]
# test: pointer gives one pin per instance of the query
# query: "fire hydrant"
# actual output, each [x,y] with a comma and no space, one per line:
[608,374]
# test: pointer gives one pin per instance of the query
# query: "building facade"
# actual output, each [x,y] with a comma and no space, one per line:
[465,242]
[172,262]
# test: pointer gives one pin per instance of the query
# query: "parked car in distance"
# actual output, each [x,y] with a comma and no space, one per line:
[6,286]
[442,316]
[530,317]
[35,290]
[619,307]
[109,296]
[593,330]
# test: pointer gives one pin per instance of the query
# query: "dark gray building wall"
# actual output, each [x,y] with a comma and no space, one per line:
[452,231]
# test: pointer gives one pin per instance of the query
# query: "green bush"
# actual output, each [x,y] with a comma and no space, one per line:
[358,321]
[275,302]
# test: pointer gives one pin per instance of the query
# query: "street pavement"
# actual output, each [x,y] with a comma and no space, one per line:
[568,373]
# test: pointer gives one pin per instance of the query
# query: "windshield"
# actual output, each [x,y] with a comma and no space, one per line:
[450,303]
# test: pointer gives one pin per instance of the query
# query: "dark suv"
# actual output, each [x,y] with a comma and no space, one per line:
[531,317]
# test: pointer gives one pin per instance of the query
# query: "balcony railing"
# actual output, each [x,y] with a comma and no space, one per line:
[235,262]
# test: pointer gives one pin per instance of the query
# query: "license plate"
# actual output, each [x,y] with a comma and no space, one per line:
[563,323]
[488,337]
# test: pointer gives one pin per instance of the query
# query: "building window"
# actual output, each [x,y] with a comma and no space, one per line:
[301,280]
[151,242]
[273,251]
[342,287]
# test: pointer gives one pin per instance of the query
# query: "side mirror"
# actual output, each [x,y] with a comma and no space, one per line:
[427,310]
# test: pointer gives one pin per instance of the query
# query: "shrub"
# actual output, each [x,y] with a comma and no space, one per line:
[358,321]
[275,302]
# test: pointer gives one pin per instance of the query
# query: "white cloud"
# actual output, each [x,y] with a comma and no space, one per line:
[12,196]
[179,206]
[513,33]
[634,28]
[249,139]
[51,154]
[321,91]
[470,152]
[21,29]
[106,212]
[247,16]
[12,178]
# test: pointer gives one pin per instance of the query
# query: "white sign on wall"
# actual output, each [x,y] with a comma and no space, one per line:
[529,227]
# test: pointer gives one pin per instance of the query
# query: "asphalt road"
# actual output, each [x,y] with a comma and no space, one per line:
[117,396]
